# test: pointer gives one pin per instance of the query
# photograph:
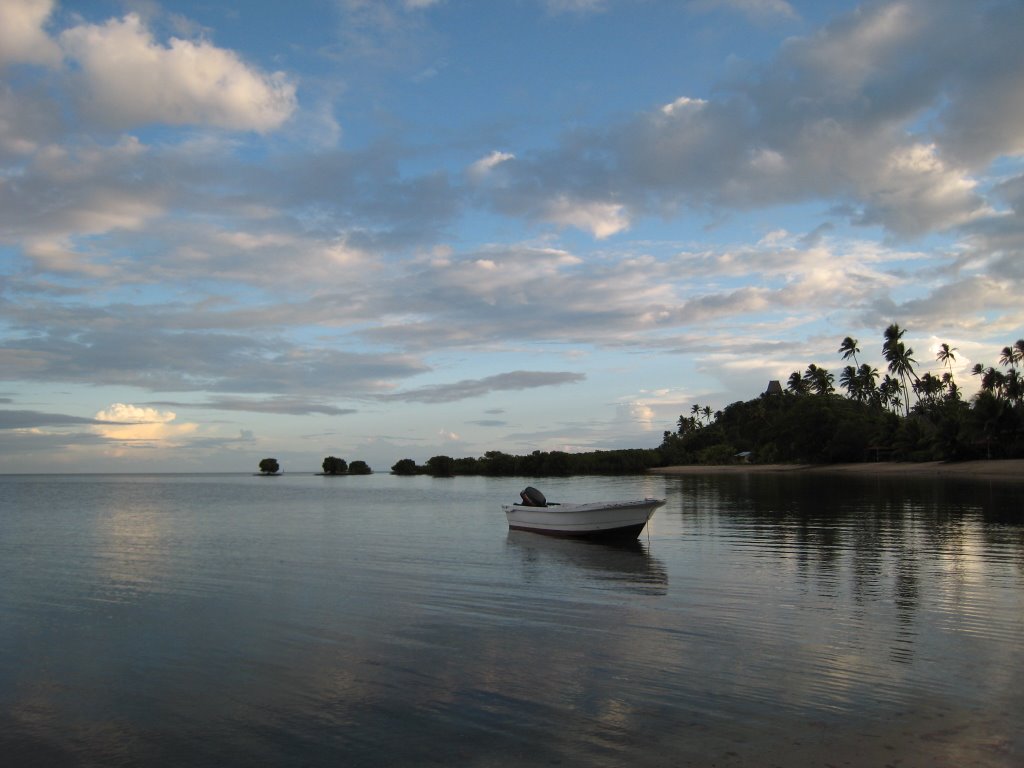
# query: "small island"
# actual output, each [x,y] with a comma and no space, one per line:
[334,467]
[269,467]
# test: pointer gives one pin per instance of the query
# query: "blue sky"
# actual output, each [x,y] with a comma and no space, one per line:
[397,229]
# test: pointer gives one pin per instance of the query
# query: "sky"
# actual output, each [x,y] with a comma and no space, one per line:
[386,229]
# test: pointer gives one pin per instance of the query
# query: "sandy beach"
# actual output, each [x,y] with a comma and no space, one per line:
[1010,470]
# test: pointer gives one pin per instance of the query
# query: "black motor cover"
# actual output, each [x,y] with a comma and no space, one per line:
[532,497]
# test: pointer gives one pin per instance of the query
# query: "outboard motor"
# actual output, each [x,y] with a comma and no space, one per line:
[532,497]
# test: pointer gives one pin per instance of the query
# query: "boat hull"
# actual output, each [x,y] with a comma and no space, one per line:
[619,520]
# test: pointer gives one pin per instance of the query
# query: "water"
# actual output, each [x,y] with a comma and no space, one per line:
[230,620]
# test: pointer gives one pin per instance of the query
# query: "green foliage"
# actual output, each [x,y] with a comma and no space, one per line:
[441,466]
[269,466]
[811,424]
[359,467]
[783,428]
[716,454]
[334,466]
[547,464]
[404,467]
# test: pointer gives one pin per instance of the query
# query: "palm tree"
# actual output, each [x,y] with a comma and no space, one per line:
[889,392]
[867,377]
[707,413]
[929,387]
[953,391]
[1012,355]
[850,381]
[849,349]
[992,380]
[796,384]
[819,379]
[946,357]
[900,359]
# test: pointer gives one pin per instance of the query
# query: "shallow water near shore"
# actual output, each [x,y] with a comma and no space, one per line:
[232,620]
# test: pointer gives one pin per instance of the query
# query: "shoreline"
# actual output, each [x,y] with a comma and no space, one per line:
[1010,470]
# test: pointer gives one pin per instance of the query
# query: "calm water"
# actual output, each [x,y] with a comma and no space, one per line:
[363,621]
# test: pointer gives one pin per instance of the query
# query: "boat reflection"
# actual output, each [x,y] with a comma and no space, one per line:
[626,565]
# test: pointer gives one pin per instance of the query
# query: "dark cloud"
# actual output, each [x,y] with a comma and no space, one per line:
[284,405]
[10,419]
[142,346]
[502,382]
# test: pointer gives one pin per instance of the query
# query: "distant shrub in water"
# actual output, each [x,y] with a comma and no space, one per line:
[334,466]
[404,467]
[269,466]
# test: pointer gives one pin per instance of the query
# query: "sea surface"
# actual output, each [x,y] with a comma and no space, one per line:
[299,620]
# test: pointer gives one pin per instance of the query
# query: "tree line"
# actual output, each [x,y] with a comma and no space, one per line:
[896,414]
[536,464]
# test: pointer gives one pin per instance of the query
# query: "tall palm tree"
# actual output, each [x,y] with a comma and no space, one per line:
[867,377]
[1011,355]
[901,361]
[946,356]
[707,413]
[850,381]
[849,349]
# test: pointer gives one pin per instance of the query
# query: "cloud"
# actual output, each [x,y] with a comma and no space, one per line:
[130,79]
[877,111]
[11,419]
[282,404]
[22,37]
[502,382]
[485,165]
[178,349]
[131,423]
[600,219]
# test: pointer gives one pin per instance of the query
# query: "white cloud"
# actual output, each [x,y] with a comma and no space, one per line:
[600,219]
[22,37]
[682,103]
[774,237]
[482,167]
[131,79]
[136,423]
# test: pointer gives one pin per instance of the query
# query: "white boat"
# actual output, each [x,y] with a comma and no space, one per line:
[604,519]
